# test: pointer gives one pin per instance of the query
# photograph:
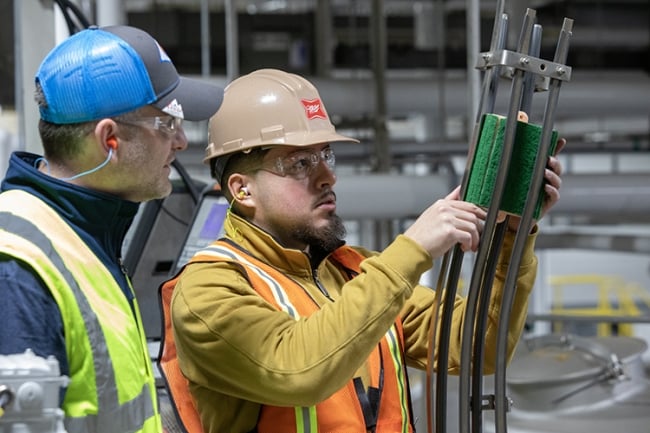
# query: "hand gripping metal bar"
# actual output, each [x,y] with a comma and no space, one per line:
[452,261]
[561,54]
[491,240]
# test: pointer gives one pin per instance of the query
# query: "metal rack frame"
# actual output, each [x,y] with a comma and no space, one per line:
[528,74]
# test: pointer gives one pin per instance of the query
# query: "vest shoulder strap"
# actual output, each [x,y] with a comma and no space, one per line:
[176,383]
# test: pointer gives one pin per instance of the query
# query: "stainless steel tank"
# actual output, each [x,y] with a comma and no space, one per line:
[565,383]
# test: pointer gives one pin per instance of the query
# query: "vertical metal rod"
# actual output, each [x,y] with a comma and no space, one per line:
[478,350]
[473,26]
[323,47]
[499,41]
[433,341]
[478,358]
[441,115]
[487,249]
[486,105]
[443,340]
[205,39]
[232,40]
[444,304]
[492,75]
[526,220]
[379,52]
[379,61]
[529,78]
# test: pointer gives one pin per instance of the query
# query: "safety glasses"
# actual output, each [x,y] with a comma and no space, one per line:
[166,124]
[300,165]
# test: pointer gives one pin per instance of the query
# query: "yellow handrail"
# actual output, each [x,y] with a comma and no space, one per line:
[614,297]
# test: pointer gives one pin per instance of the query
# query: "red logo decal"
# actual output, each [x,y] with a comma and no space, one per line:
[313,109]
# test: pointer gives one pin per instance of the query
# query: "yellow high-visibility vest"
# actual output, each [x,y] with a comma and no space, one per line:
[112,387]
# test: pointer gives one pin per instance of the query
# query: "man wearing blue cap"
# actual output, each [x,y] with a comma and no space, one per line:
[111,104]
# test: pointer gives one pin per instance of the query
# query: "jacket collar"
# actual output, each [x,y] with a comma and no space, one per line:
[102,220]
[263,246]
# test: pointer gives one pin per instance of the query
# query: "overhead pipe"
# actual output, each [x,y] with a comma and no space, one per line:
[622,92]
[400,196]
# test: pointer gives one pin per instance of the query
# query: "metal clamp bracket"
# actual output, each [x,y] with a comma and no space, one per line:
[524,62]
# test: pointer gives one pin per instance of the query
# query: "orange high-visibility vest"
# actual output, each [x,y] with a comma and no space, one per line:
[342,411]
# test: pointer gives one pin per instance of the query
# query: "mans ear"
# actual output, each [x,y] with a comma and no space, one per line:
[106,134]
[238,186]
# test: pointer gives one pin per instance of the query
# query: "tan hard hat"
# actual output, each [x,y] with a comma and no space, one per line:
[269,107]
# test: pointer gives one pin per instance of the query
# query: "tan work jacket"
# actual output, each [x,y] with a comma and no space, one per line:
[240,353]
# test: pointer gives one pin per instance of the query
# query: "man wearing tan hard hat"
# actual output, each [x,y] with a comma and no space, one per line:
[279,325]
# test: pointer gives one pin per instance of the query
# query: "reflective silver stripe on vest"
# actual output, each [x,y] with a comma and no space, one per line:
[278,294]
[112,417]
[306,417]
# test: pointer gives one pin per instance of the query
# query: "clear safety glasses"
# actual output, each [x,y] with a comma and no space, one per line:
[300,165]
[166,124]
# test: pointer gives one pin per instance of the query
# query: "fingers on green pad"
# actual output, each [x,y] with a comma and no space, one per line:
[487,156]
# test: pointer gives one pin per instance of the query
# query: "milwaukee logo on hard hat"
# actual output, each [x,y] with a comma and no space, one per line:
[313,109]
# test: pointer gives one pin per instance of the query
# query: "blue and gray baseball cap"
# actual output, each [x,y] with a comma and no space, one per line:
[107,71]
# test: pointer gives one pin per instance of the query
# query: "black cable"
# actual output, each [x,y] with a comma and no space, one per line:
[171,215]
[68,9]
[187,180]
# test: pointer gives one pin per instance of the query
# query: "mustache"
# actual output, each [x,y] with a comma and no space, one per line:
[325,197]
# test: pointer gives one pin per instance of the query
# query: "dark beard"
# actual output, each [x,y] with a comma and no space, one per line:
[324,240]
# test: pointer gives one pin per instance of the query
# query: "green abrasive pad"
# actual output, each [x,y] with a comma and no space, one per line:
[485,166]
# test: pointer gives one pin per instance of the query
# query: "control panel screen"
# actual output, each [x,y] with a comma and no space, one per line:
[206,227]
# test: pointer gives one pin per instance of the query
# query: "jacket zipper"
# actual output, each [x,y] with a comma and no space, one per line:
[320,285]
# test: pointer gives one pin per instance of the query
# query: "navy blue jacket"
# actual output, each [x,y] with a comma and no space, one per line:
[30,317]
